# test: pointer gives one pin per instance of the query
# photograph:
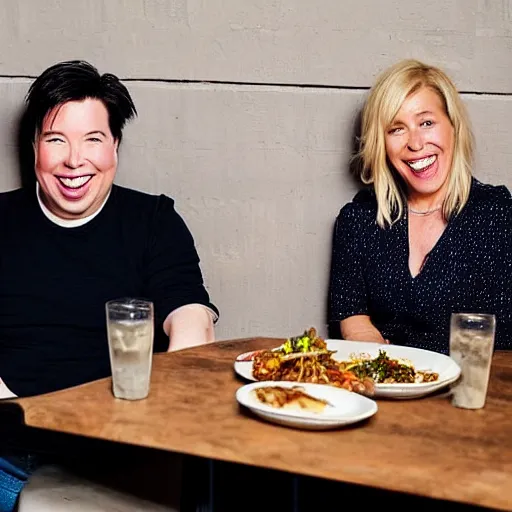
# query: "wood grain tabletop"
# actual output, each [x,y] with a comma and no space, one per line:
[424,446]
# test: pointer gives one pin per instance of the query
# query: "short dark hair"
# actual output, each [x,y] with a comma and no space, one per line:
[77,80]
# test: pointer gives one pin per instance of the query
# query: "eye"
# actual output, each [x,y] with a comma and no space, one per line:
[55,140]
[427,123]
[94,139]
[395,130]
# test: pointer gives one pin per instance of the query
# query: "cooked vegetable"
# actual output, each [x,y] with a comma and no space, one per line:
[307,342]
[306,359]
[385,370]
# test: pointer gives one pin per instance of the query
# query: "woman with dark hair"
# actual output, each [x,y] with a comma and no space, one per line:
[76,240]
[425,239]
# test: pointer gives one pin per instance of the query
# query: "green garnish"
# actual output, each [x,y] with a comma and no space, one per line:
[297,344]
[384,369]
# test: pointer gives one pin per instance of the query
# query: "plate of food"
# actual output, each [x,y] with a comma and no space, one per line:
[389,371]
[305,358]
[397,371]
[304,405]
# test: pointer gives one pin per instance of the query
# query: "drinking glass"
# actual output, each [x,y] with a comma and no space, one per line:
[472,347]
[130,329]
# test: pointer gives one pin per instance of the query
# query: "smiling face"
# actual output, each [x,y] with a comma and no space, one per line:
[75,158]
[420,144]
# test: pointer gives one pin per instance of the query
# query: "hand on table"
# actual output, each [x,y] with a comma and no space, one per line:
[360,328]
[189,326]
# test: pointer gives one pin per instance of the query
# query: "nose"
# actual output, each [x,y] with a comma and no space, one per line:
[74,158]
[415,141]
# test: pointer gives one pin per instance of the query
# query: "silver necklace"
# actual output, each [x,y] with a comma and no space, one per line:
[424,212]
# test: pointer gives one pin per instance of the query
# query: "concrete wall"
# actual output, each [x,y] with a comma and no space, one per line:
[246,118]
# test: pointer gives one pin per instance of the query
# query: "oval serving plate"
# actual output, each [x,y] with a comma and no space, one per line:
[344,407]
[445,366]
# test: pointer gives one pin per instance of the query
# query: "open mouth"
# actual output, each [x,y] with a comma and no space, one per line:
[75,182]
[422,164]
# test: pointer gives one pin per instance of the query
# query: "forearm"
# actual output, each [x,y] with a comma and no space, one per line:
[360,328]
[189,326]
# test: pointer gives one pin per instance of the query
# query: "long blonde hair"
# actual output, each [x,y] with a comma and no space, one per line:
[386,97]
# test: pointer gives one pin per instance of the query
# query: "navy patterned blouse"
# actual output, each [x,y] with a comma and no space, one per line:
[468,270]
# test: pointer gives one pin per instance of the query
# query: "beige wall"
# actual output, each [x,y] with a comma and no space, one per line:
[235,121]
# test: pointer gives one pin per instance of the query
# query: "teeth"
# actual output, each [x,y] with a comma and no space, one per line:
[75,182]
[419,165]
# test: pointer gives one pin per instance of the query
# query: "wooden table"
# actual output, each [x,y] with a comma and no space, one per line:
[425,447]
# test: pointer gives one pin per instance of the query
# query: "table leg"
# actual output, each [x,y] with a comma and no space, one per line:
[251,489]
[295,493]
[197,485]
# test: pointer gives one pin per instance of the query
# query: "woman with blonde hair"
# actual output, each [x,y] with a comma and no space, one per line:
[425,238]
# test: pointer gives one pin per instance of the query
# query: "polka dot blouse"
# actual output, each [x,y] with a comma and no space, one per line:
[468,270]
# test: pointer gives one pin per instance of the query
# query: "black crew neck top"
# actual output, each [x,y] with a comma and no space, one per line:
[55,281]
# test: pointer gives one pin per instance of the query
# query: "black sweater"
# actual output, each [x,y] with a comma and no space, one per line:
[54,282]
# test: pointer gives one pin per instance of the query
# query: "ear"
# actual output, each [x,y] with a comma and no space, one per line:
[116,151]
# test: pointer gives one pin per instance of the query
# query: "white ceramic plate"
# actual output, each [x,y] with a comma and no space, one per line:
[344,406]
[445,366]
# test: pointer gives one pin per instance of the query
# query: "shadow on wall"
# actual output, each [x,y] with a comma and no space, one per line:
[355,164]
[26,158]
[354,172]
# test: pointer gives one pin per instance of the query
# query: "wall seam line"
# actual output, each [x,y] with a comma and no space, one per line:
[264,84]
